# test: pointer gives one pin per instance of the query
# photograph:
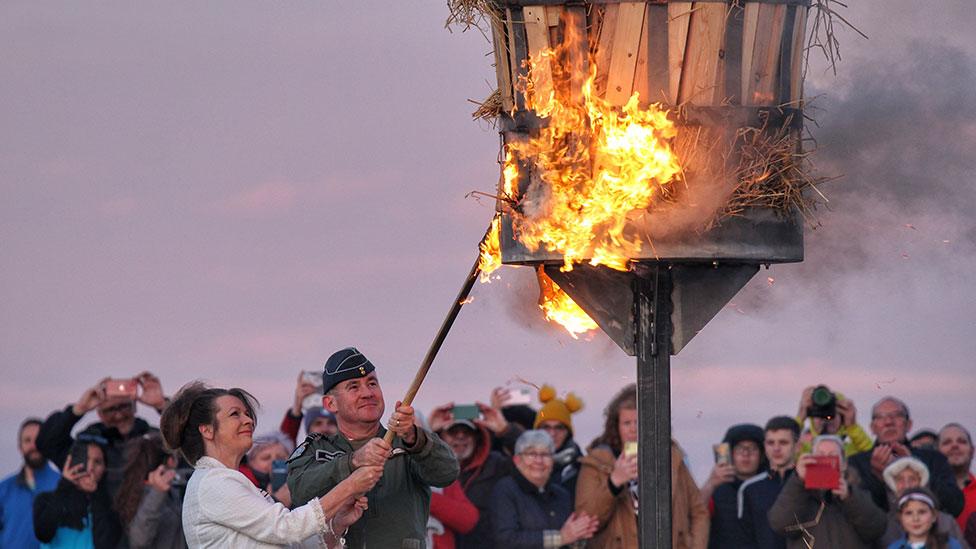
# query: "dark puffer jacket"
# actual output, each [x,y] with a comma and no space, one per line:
[524,515]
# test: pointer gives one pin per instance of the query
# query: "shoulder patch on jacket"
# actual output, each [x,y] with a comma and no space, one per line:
[326,456]
[312,437]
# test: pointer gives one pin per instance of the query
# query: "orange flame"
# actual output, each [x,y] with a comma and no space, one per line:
[490,257]
[593,166]
[560,308]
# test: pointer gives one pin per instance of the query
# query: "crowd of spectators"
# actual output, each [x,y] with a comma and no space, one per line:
[497,474]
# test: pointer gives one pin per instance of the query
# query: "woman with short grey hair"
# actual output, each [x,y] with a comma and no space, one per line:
[528,511]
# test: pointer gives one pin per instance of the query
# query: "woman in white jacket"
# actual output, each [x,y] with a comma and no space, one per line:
[213,429]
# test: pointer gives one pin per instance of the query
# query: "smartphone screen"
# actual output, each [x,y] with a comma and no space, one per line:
[279,474]
[466,411]
[518,396]
[823,473]
[630,448]
[127,388]
[79,454]
[723,453]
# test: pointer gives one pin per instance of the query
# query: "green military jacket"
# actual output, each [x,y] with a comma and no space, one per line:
[399,504]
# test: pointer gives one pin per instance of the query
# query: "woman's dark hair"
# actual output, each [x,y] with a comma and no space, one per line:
[195,405]
[142,456]
[935,538]
[626,399]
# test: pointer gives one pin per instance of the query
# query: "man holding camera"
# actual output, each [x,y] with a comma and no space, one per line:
[831,414]
[890,423]
[820,506]
[115,402]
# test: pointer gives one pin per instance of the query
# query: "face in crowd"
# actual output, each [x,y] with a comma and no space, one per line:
[28,447]
[556,430]
[917,518]
[627,425]
[907,478]
[780,447]
[830,448]
[262,460]
[956,446]
[745,458]
[119,413]
[323,426]
[233,427]
[94,470]
[358,400]
[462,441]
[889,422]
[535,464]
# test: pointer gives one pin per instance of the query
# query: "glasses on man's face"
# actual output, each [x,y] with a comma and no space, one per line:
[894,416]
[745,450]
[117,409]
[557,427]
[541,456]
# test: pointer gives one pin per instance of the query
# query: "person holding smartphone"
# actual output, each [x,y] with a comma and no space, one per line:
[821,502]
[78,512]
[149,507]
[259,464]
[114,401]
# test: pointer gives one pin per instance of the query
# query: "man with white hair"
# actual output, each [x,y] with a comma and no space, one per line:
[842,517]
[890,424]
[956,444]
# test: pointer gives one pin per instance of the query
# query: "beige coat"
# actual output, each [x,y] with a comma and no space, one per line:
[618,521]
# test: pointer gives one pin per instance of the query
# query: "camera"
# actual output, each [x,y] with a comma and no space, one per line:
[824,403]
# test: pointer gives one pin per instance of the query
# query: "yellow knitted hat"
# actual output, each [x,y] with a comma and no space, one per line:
[556,409]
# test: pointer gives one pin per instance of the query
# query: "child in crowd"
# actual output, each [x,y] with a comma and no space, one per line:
[916,512]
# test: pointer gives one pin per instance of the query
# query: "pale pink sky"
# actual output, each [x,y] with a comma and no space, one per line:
[233,190]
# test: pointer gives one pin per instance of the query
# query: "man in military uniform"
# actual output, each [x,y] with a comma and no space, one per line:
[399,504]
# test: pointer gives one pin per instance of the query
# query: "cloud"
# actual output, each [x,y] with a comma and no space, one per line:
[264,199]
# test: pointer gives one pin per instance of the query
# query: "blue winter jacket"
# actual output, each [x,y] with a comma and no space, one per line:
[16,503]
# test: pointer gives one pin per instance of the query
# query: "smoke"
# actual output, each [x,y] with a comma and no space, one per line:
[899,132]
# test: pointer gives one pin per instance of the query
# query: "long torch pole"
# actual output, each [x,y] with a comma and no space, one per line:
[435,346]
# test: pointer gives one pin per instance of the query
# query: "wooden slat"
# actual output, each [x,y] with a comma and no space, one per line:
[537,37]
[552,15]
[699,79]
[765,56]
[626,40]
[604,48]
[749,28]
[799,43]
[641,72]
[679,18]
[503,71]
[577,53]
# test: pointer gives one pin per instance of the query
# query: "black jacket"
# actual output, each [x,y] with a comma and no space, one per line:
[941,479]
[726,528]
[757,495]
[54,442]
[67,506]
[522,513]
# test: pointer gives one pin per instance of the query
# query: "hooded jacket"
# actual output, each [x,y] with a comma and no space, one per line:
[478,478]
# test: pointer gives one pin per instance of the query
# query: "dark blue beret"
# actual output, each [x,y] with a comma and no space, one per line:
[348,363]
